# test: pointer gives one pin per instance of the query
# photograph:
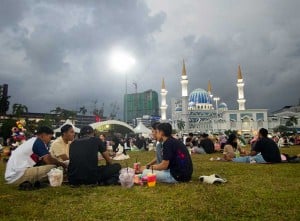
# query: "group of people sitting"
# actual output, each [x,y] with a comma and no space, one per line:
[29,164]
[31,161]
[203,145]
[264,150]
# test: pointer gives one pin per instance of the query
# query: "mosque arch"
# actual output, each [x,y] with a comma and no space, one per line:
[246,123]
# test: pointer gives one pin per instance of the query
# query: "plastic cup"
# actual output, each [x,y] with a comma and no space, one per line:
[136,167]
[151,179]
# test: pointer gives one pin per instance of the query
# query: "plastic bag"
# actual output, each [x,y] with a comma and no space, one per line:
[55,177]
[127,177]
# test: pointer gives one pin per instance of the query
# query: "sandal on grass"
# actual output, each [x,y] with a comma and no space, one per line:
[212,179]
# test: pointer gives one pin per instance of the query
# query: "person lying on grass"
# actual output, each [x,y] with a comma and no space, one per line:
[264,151]
[176,165]
[29,164]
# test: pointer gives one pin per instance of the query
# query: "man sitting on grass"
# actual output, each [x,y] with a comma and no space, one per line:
[159,155]
[264,151]
[60,147]
[83,167]
[176,165]
[26,165]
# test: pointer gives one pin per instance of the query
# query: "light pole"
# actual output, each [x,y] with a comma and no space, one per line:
[216,99]
[122,61]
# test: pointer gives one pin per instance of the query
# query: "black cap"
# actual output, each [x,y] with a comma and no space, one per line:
[204,135]
[86,130]
[44,130]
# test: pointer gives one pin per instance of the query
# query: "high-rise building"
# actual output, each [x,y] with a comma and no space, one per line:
[4,103]
[137,105]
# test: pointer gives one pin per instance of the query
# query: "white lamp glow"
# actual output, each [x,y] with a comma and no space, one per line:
[121,61]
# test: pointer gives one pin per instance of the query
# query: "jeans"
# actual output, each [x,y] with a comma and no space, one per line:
[258,159]
[162,176]
[199,150]
[159,153]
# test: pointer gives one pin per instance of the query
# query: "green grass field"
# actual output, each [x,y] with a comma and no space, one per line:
[253,192]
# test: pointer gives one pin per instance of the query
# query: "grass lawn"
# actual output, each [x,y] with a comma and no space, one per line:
[253,192]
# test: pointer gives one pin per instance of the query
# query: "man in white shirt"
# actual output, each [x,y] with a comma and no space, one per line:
[22,166]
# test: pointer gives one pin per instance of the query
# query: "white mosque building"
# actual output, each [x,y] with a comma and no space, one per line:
[200,111]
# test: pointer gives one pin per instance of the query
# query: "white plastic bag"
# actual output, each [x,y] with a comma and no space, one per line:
[127,177]
[55,177]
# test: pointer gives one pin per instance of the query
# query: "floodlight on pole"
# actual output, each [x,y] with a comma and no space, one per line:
[121,61]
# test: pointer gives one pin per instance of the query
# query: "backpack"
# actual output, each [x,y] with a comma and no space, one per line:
[184,166]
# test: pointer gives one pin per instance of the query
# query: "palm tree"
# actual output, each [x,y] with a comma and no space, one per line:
[19,109]
[82,110]
[57,110]
[58,116]
[68,114]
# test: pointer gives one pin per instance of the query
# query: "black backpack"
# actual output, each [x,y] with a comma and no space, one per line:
[184,167]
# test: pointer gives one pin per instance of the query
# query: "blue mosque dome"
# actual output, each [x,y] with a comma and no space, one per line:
[199,96]
[222,105]
[178,109]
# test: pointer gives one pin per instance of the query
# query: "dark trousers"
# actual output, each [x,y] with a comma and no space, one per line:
[109,174]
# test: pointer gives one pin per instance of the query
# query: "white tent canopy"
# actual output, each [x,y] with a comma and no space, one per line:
[142,129]
[76,129]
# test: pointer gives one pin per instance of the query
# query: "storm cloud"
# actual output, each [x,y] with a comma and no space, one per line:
[55,53]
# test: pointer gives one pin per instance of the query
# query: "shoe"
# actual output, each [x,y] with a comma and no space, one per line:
[26,186]
[212,179]
[39,185]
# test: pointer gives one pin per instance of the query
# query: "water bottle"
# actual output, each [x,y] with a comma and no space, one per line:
[237,153]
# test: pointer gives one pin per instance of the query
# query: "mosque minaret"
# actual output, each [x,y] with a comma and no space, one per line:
[240,84]
[185,97]
[164,106]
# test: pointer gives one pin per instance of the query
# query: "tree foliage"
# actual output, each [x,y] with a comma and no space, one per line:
[82,110]
[62,114]
[19,109]
[5,130]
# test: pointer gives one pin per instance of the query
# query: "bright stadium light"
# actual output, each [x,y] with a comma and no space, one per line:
[121,61]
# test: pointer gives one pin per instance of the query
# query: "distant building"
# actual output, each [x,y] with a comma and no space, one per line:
[4,103]
[79,121]
[138,105]
[3,90]
[284,117]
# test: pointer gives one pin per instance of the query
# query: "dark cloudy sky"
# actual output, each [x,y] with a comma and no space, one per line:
[56,53]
